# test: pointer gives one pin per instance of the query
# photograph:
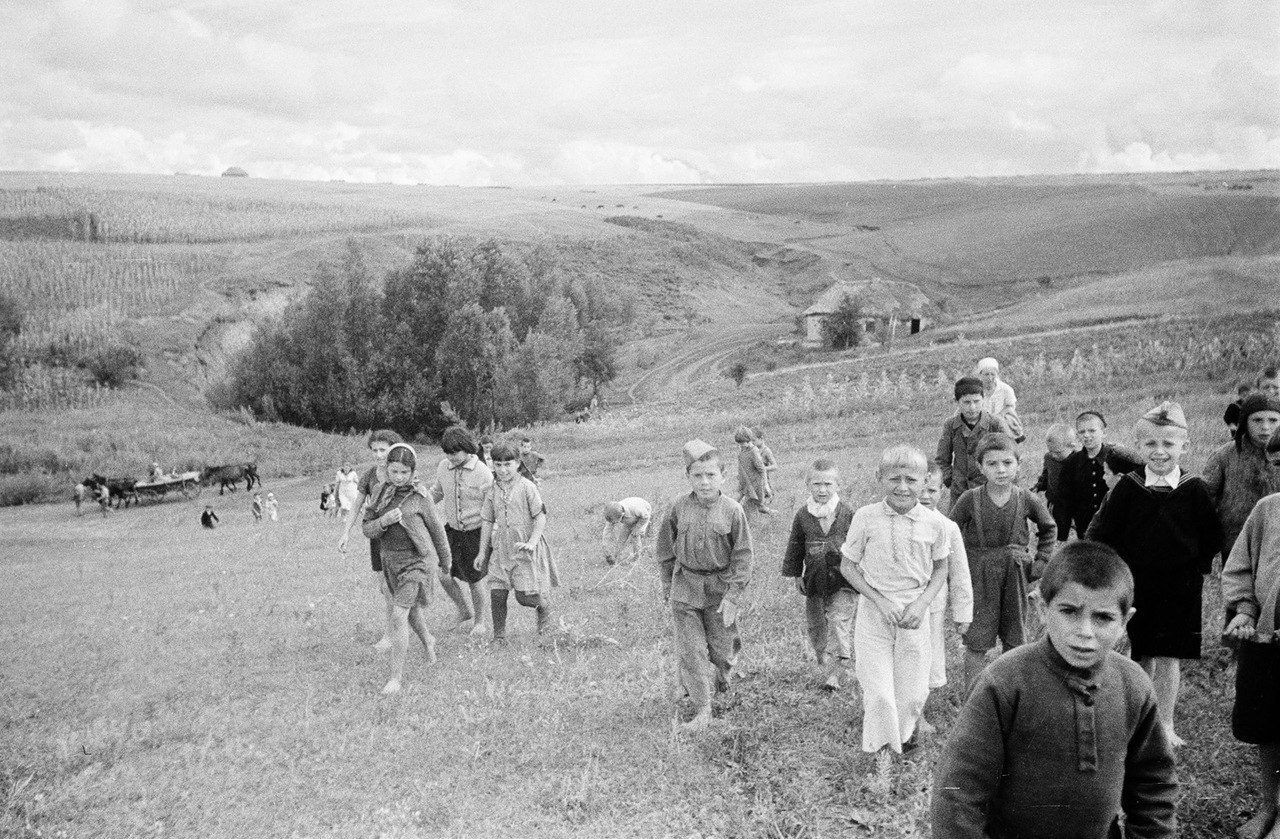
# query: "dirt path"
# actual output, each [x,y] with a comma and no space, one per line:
[699,360]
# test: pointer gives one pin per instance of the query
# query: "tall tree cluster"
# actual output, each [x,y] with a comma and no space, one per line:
[497,336]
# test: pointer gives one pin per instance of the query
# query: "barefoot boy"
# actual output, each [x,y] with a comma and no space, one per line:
[895,556]
[993,519]
[1061,736]
[958,590]
[704,555]
[1084,471]
[813,559]
[1163,524]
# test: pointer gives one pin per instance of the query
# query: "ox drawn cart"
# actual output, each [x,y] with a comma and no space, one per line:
[186,484]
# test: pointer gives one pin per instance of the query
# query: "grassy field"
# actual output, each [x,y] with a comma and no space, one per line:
[164,680]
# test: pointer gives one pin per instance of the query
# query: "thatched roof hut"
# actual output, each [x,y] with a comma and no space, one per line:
[879,300]
[235,172]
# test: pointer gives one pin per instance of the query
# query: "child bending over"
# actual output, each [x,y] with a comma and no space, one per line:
[626,523]
[813,558]
[1061,736]
[704,556]
[895,556]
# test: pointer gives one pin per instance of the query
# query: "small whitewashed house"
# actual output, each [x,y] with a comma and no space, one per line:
[887,308]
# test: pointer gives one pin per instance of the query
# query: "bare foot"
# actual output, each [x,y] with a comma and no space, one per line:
[391,687]
[700,721]
[383,644]
[832,682]
[479,630]
[1256,827]
[1174,740]
[464,624]
[926,728]
[431,651]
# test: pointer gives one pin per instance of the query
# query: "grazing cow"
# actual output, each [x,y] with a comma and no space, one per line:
[227,476]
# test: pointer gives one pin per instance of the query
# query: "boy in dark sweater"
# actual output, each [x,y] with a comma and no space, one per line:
[1061,442]
[960,435]
[1084,472]
[813,559]
[1163,524]
[1060,737]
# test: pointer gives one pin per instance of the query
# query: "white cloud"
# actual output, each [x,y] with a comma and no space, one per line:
[591,162]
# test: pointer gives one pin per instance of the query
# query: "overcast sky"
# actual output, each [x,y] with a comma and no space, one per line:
[593,91]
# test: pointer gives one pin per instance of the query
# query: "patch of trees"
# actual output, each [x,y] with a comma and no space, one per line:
[843,328]
[479,332]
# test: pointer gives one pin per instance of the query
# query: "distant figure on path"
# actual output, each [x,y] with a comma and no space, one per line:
[770,462]
[530,461]
[256,506]
[208,519]
[347,482]
[751,472]
[78,495]
[998,398]
[271,507]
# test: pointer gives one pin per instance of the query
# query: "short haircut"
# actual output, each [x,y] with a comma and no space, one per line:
[613,511]
[384,435]
[1091,564]
[742,434]
[525,438]
[823,464]
[457,439]
[504,451]
[968,386]
[402,453]
[1059,433]
[1084,415]
[902,456]
[996,441]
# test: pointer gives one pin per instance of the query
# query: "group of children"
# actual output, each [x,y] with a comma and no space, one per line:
[1060,736]
[259,507]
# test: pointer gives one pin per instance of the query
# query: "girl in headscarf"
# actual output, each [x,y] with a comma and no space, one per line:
[998,398]
[412,545]
[1237,473]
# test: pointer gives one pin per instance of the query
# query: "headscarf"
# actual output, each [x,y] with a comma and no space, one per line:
[1253,404]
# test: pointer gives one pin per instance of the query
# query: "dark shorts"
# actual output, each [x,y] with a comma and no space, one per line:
[1254,718]
[999,598]
[463,547]
[375,556]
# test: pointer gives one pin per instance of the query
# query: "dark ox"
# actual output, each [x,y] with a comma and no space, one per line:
[120,490]
[228,476]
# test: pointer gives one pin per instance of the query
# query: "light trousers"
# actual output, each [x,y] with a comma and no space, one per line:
[892,665]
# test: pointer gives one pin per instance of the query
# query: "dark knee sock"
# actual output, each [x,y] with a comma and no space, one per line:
[531,599]
[498,604]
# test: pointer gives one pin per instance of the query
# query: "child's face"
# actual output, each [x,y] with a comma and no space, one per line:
[1059,449]
[823,486]
[970,406]
[1091,433]
[988,377]
[1269,387]
[457,458]
[505,470]
[526,446]
[901,486]
[706,477]
[1262,424]
[1083,624]
[931,490]
[399,474]
[1161,446]
[1000,467]
[380,449]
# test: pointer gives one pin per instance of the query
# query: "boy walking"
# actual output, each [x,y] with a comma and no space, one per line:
[958,590]
[1060,441]
[530,461]
[1163,524]
[993,520]
[960,435]
[1061,736]
[813,559]
[895,556]
[1084,471]
[704,556]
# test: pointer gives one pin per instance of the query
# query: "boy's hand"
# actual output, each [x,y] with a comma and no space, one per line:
[800,585]
[391,517]
[728,611]
[1241,628]
[962,628]
[913,615]
[478,563]
[525,547]
[342,543]
[892,611]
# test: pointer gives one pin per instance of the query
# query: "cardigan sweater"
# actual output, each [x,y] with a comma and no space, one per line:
[1237,479]
[1042,749]
[814,556]
[1251,574]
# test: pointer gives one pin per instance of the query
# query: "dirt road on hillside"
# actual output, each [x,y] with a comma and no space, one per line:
[699,361]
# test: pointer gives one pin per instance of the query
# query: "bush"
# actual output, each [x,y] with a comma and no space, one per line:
[30,488]
[112,365]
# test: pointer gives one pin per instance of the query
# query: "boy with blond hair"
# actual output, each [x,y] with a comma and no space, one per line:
[1061,739]
[704,555]
[1163,524]
[1060,440]
[813,558]
[895,557]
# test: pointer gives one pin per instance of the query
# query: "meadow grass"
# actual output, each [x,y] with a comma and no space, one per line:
[165,680]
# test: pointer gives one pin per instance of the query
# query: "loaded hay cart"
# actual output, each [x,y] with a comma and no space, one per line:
[186,484]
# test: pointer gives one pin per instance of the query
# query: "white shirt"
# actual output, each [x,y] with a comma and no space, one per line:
[896,551]
[1170,480]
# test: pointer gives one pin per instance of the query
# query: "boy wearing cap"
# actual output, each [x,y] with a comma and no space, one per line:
[704,555]
[625,524]
[960,435]
[1084,471]
[1163,524]
[1237,473]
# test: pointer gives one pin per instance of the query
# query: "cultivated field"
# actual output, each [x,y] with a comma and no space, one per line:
[164,680]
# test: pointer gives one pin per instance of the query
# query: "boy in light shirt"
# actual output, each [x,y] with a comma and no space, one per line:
[958,590]
[625,524]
